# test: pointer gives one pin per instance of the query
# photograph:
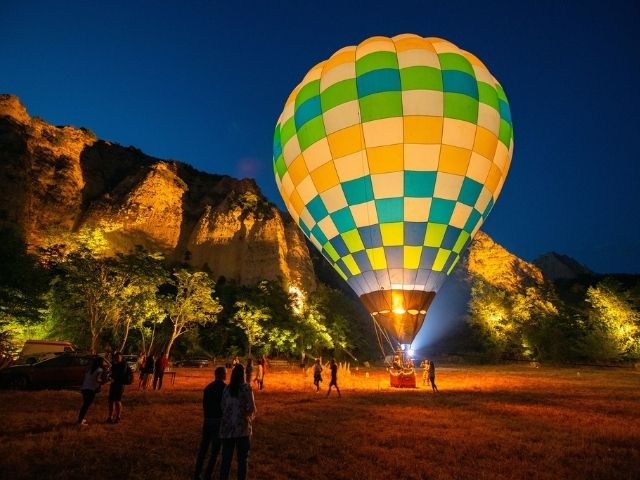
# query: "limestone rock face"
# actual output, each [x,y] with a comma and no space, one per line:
[59,179]
[497,266]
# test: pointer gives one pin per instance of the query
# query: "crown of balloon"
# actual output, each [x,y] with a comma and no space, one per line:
[389,155]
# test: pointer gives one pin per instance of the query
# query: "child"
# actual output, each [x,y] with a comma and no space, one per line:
[317,374]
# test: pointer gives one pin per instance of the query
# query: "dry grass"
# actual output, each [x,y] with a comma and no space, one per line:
[487,422]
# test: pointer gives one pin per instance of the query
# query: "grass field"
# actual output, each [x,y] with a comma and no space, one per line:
[513,422]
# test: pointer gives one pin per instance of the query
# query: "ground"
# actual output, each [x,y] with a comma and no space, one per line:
[506,422]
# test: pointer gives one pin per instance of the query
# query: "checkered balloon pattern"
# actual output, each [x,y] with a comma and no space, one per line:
[390,155]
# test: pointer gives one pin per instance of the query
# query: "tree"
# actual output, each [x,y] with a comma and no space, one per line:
[143,274]
[86,295]
[613,324]
[249,318]
[192,303]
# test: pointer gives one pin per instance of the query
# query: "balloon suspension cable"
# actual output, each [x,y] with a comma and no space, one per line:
[382,335]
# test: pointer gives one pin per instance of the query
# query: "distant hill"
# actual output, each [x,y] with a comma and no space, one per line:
[556,266]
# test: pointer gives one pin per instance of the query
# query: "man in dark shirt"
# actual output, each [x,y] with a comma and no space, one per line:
[211,405]
[118,380]
[334,377]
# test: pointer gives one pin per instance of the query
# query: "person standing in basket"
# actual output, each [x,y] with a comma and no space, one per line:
[161,365]
[238,411]
[90,386]
[211,404]
[116,389]
[334,377]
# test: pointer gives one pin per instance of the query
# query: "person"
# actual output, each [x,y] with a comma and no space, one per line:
[334,377]
[259,374]
[238,411]
[317,374]
[158,373]
[265,368]
[211,406]
[410,363]
[425,371]
[248,371]
[140,366]
[432,376]
[236,361]
[147,372]
[90,386]
[397,364]
[118,380]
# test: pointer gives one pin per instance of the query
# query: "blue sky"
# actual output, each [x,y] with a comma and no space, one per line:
[205,81]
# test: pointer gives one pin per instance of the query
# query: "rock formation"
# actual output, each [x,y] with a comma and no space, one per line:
[56,180]
[556,266]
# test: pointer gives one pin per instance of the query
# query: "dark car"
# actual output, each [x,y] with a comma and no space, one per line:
[192,362]
[59,371]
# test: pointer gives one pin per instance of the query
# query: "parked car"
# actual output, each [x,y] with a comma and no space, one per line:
[34,350]
[64,370]
[192,362]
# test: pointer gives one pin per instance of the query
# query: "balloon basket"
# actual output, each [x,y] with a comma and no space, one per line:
[405,378]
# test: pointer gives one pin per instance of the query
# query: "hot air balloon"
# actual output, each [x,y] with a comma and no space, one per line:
[389,155]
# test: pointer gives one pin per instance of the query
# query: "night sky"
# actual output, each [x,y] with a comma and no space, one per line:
[205,81]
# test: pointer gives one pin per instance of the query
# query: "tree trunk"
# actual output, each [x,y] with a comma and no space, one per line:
[126,335]
[175,334]
[153,337]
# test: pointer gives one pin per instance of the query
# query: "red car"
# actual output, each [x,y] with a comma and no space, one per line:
[60,371]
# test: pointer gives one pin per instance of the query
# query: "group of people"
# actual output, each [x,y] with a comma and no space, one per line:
[92,383]
[151,366]
[229,411]
[261,370]
[317,376]
[429,374]
[119,376]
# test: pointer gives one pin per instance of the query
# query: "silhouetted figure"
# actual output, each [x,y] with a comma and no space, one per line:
[317,374]
[116,389]
[90,386]
[212,409]
[259,374]
[238,410]
[334,378]
[248,371]
[432,376]
[158,372]
[147,371]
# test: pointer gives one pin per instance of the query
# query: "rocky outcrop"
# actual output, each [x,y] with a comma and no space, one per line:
[57,180]
[497,266]
[556,266]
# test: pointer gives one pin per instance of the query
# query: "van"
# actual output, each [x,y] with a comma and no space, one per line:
[35,349]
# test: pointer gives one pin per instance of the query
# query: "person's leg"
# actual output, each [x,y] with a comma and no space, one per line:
[244,444]
[202,451]
[155,381]
[118,405]
[228,445]
[110,411]
[87,400]
[338,390]
[215,449]
[160,377]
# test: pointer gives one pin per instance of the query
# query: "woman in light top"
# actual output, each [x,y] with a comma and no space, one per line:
[238,411]
[90,386]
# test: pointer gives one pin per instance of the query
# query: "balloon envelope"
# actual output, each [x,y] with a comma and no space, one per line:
[390,155]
